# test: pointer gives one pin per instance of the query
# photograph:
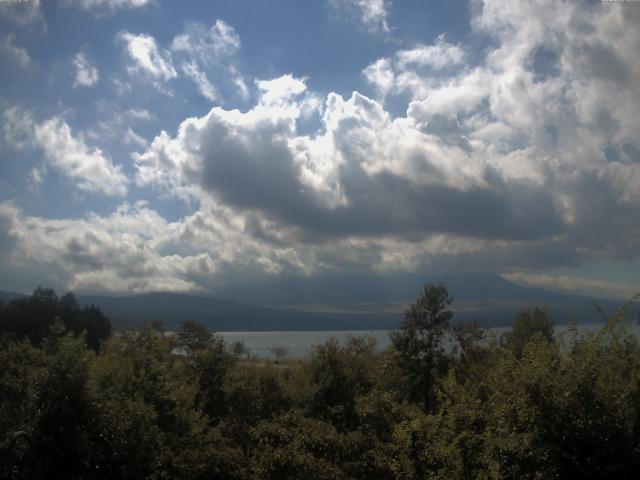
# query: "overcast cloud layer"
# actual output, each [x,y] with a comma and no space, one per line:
[186,162]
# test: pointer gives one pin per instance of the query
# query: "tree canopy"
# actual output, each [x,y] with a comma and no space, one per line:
[31,317]
[528,405]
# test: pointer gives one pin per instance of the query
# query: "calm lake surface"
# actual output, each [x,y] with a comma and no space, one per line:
[300,343]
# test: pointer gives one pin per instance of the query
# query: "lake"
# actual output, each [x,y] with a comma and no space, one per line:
[300,343]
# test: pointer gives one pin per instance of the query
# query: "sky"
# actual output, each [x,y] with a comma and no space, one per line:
[150,145]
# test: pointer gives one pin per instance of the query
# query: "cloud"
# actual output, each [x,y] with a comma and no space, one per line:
[17,127]
[506,153]
[208,45]
[594,288]
[134,249]
[89,167]
[22,13]
[92,171]
[139,114]
[517,158]
[107,5]
[16,53]
[8,214]
[209,52]
[437,56]
[86,73]
[198,53]
[205,87]
[371,14]
[132,138]
[147,58]
[415,70]
[362,174]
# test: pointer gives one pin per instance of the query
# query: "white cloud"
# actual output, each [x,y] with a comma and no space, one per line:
[36,177]
[17,127]
[205,87]
[280,91]
[516,158]
[139,114]
[16,53]
[147,57]
[381,75]
[135,250]
[108,5]
[86,73]
[416,70]
[218,42]
[23,13]
[199,53]
[132,138]
[324,183]
[595,288]
[89,167]
[208,53]
[502,153]
[92,171]
[371,14]
[437,56]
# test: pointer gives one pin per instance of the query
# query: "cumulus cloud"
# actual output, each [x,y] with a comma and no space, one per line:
[550,105]
[371,14]
[92,171]
[16,53]
[363,174]
[521,157]
[134,249]
[147,57]
[508,153]
[86,73]
[89,168]
[415,70]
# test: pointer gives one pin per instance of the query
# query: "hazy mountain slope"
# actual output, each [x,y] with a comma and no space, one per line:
[335,289]
[6,297]
[173,309]
[331,303]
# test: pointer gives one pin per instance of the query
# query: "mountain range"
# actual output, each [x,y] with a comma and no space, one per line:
[343,303]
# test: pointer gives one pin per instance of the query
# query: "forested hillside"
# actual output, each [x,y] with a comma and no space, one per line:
[77,402]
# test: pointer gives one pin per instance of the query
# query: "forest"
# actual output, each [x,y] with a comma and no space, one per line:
[447,400]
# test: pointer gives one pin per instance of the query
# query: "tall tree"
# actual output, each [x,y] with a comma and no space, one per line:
[193,336]
[527,326]
[418,342]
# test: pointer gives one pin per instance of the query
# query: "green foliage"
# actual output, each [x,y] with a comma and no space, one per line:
[253,395]
[148,405]
[528,325]
[210,368]
[31,317]
[21,368]
[338,375]
[418,342]
[193,336]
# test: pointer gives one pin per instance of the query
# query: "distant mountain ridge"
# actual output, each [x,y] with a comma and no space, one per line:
[490,299]
[8,296]
[335,289]
[173,309]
